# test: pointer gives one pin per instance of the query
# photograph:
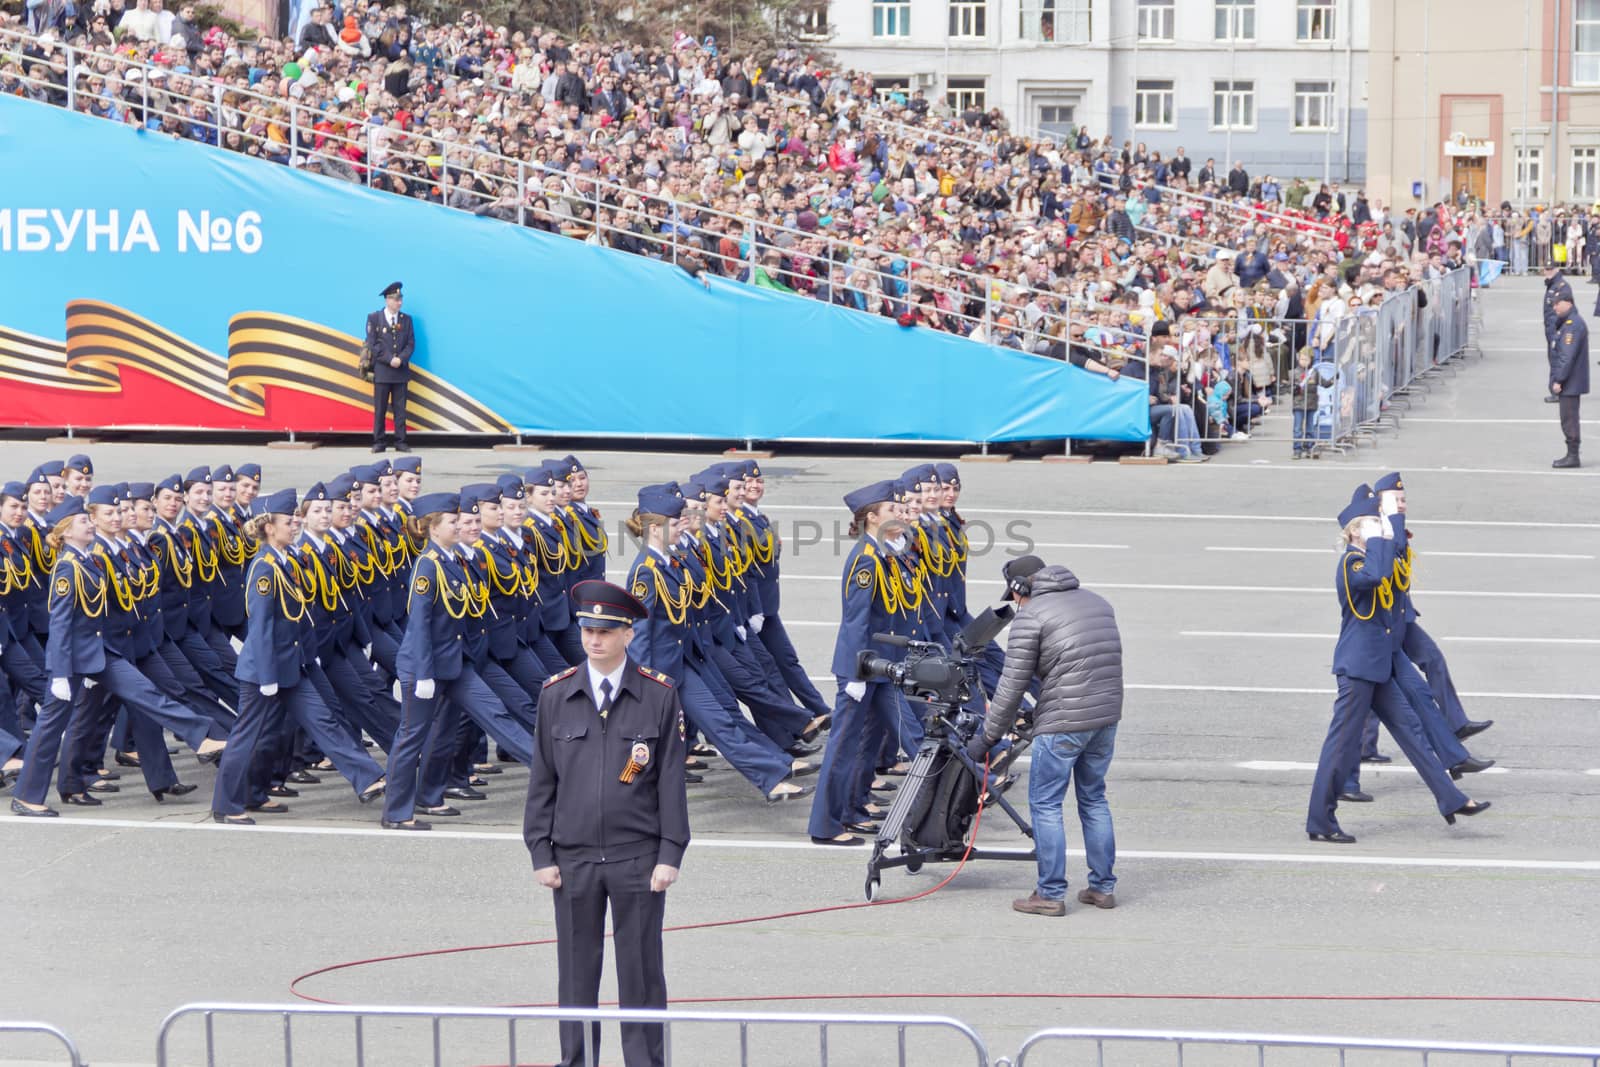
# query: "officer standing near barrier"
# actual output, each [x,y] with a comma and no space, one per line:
[1555,287]
[392,340]
[612,727]
[1569,372]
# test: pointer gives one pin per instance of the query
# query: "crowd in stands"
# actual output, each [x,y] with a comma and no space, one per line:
[783,172]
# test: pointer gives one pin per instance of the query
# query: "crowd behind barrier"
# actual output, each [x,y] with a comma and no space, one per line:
[774,171]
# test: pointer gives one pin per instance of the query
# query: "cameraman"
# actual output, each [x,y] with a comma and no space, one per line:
[1066,637]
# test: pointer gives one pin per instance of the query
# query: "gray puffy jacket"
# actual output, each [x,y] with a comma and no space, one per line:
[1067,638]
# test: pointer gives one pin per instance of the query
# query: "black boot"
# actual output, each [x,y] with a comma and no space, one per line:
[1569,460]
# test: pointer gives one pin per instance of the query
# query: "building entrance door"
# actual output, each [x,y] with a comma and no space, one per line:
[1469,173]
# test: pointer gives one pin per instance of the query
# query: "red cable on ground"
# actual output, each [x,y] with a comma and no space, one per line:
[294,986]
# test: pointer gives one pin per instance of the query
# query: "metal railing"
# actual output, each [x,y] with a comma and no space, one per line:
[43,1030]
[357,1051]
[1258,1044]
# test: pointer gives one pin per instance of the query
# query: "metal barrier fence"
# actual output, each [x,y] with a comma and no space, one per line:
[362,1043]
[42,1030]
[1417,1051]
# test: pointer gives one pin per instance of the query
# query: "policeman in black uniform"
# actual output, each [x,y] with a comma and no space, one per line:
[1556,288]
[392,340]
[1569,371]
[612,721]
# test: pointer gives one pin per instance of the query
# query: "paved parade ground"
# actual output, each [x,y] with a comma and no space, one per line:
[1221,577]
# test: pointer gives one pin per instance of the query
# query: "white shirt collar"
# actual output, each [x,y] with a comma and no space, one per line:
[615,678]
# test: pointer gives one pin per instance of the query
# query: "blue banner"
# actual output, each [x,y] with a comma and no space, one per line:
[246,283]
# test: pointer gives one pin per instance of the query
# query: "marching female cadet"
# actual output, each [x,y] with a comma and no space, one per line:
[79,653]
[587,529]
[554,554]
[246,488]
[21,656]
[660,581]
[176,582]
[273,680]
[499,560]
[520,536]
[233,555]
[871,602]
[208,585]
[357,571]
[42,557]
[339,632]
[385,547]
[766,548]
[1363,663]
[434,666]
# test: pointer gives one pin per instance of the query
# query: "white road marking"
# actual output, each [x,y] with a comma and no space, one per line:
[1332,636]
[1342,857]
[1333,552]
[831,511]
[1290,690]
[1318,590]
[1375,768]
[1070,544]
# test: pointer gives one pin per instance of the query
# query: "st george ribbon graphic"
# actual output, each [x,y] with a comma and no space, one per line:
[265,351]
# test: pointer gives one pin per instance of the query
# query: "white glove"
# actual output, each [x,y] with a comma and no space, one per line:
[366,650]
[424,688]
[61,688]
[856,690]
[317,660]
[270,689]
[89,683]
[1388,530]
[740,631]
[1388,503]
[757,621]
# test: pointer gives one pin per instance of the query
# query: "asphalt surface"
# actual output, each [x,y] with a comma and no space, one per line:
[1220,575]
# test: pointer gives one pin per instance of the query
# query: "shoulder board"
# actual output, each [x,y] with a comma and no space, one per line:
[868,550]
[654,675]
[431,554]
[99,549]
[554,678]
[649,561]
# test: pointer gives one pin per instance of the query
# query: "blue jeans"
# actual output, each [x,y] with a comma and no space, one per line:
[1081,758]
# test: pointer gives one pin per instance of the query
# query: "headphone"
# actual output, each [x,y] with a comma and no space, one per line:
[1020,585]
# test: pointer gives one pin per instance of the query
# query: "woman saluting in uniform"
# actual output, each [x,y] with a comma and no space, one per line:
[273,677]
[1363,662]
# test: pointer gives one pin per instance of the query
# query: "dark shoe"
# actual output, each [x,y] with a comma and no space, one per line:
[1470,766]
[402,447]
[703,751]
[1551,398]
[694,765]
[813,728]
[477,782]
[795,794]
[232,820]
[803,772]
[465,792]
[1338,837]
[82,800]
[1097,898]
[127,759]
[414,824]
[302,778]
[100,785]
[443,811]
[108,776]
[1376,757]
[800,748]
[1034,904]
[19,808]
[690,778]
[377,448]
[210,757]
[1568,461]
[486,768]
[1468,728]
[868,828]
[282,791]
[182,789]
[884,786]
[842,841]
[268,807]
[373,791]
[1358,797]
[1471,807]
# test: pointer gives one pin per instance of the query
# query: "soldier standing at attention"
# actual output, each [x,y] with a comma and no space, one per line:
[392,340]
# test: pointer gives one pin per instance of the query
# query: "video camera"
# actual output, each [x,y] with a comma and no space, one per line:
[931,673]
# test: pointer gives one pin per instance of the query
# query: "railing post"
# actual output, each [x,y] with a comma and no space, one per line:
[294,128]
[522,210]
[72,78]
[216,110]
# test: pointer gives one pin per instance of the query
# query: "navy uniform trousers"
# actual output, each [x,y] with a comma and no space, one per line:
[1422,718]
[773,711]
[848,761]
[747,750]
[245,773]
[22,661]
[1341,750]
[1424,652]
[473,695]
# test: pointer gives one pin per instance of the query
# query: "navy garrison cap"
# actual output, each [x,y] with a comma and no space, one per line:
[72,505]
[1387,482]
[282,502]
[1363,502]
[867,495]
[435,504]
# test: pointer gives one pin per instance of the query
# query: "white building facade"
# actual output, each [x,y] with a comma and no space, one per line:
[1280,84]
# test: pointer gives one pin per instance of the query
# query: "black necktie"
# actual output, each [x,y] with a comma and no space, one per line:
[605,698]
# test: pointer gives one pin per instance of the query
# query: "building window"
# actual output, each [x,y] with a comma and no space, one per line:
[1313,105]
[1530,174]
[886,86]
[1586,42]
[966,94]
[1155,19]
[1152,104]
[969,18]
[1054,21]
[1056,120]
[1235,20]
[814,21]
[1585,173]
[1233,105]
[891,18]
[1314,20]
